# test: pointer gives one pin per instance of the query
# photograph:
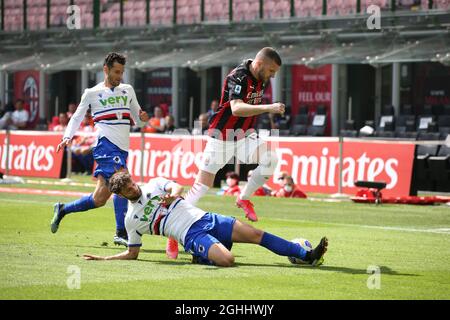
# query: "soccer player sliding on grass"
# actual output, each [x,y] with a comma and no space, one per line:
[158,209]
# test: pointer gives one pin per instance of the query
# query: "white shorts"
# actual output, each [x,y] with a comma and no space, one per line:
[218,153]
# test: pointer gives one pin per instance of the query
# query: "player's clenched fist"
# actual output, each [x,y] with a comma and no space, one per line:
[277,107]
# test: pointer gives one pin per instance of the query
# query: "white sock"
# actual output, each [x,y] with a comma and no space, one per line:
[255,181]
[260,175]
[197,191]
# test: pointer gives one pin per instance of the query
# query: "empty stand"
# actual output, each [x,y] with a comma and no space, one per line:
[308,8]
[135,13]
[245,10]
[13,15]
[341,7]
[216,10]
[274,9]
[188,11]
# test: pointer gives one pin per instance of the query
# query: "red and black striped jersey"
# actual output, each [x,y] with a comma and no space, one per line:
[239,84]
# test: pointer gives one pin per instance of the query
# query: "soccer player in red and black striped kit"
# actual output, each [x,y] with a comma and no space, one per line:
[231,132]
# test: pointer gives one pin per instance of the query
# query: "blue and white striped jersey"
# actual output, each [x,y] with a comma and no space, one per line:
[147,216]
[113,109]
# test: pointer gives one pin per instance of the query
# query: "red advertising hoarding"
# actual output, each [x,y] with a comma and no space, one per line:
[31,154]
[312,162]
[170,156]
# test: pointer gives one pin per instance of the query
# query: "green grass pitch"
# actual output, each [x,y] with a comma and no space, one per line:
[410,246]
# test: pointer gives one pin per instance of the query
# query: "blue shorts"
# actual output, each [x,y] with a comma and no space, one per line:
[210,229]
[109,158]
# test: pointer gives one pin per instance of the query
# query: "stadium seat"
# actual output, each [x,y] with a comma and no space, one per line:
[188,12]
[424,119]
[386,123]
[422,175]
[13,15]
[308,8]
[444,126]
[318,123]
[263,122]
[299,130]
[216,10]
[383,4]
[349,129]
[440,4]
[387,129]
[269,9]
[282,9]
[405,123]
[333,7]
[439,167]
[302,118]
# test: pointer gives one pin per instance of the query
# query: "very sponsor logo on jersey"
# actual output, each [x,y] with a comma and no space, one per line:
[149,207]
[114,100]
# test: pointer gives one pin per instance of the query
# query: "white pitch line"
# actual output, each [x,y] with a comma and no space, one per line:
[436,230]
[404,229]
[41,202]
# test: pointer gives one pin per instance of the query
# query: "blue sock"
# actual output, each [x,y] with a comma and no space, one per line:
[83,204]
[282,247]
[120,210]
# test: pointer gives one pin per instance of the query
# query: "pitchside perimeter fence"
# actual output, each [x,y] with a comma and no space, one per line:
[317,164]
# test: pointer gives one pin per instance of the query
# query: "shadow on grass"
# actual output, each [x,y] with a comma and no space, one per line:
[383,270]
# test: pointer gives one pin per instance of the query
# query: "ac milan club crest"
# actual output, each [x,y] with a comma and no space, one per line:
[31,94]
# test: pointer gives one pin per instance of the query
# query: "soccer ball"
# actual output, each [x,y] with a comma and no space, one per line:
[305,244]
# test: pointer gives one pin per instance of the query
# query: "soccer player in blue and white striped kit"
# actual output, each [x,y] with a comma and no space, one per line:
[158,208]
[113,105]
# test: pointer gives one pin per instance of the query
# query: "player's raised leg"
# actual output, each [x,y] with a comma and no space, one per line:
[258,152]
[203,183]
[216,154]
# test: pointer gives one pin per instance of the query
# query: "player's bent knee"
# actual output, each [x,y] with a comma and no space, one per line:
[220,256]
[225,261]
[99,201]
[257,236]
[254,235]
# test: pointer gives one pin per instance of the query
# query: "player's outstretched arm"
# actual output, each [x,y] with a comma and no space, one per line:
[131,254]
[241,109]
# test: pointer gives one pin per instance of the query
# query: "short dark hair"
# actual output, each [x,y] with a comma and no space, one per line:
[114,57]
[270,53]
[118,181]
[232,175]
